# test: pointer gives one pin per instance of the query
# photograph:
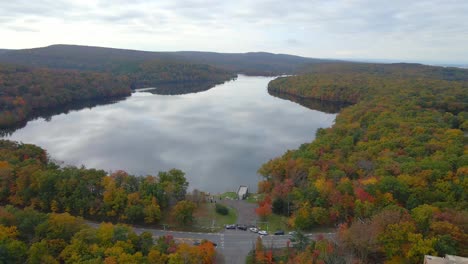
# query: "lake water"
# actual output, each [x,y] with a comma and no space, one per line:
[219,137]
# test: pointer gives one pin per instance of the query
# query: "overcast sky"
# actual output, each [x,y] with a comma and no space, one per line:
[409,30]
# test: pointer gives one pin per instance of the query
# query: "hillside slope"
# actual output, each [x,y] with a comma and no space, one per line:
[395,164]
[114,60]
[25,90]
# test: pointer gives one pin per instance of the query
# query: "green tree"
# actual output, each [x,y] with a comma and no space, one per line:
[182,212]
[152,212]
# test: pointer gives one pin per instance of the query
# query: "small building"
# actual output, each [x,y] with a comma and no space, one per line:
[449,259]
[242,192]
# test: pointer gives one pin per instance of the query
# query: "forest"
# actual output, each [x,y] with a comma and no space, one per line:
[88,58]
[30,236]
[26,90]
[391,173]
[30,179]
[32,80]
[42,207]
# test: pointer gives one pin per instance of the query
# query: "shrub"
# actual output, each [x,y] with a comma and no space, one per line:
[221,209]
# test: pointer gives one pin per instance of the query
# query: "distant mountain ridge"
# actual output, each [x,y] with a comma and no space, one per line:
[110,59]
[251,63]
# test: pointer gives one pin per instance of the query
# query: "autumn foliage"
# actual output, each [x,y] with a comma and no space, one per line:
[29,179]
[264,207]
[27,236]
[391,166]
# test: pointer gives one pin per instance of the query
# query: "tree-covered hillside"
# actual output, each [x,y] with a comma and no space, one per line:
[252,63]
[24,90]
[52,76]
[155,73]
[109,59]
[42,206]
[393,169]
[29,179]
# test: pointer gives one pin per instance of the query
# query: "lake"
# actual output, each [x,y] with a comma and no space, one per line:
[219,137]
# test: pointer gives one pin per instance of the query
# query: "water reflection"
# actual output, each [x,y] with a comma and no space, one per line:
[314,104]
[181,88]
[219,137]
[46,114]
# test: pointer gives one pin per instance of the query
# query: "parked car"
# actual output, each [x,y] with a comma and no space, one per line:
[263,232]
[196,242]
[230,226]
[253,229]
[279,232]
[242,227]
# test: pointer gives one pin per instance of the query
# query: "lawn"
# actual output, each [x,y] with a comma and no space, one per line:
[254,197]
[207,219]
[278,222]
[274,222]
[228,195]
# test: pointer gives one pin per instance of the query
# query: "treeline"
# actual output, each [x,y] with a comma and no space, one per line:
[330,107]
[393,169]
[29,179]
[157,72]
[24,90]
[86,58]
[28,236]
[353,82]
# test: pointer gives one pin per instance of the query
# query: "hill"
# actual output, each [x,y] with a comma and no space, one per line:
[394,164]
[25,90]
[117,60]
[252,63]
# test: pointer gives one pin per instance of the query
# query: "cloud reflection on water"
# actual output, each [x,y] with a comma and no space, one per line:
[219,137]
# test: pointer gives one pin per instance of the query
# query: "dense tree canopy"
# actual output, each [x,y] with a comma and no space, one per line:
[29,179]
[402,144]
[27,236]
[120,60]
[24,90]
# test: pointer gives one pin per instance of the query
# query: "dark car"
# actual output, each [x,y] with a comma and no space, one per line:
[242,227]
[279,232]
[230,226]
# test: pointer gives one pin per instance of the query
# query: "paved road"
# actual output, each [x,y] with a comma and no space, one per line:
[234,245]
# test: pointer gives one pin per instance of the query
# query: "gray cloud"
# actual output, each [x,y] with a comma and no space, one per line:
[361,28]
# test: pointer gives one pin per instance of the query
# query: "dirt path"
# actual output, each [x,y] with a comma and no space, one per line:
[245,211]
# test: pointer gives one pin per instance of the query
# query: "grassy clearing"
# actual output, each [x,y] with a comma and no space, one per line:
[275,222]
[228,195]
[207,219]
[279,222]
[254,197]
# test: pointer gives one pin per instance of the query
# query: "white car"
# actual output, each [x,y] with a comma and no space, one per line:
[253,229]
[263,232]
